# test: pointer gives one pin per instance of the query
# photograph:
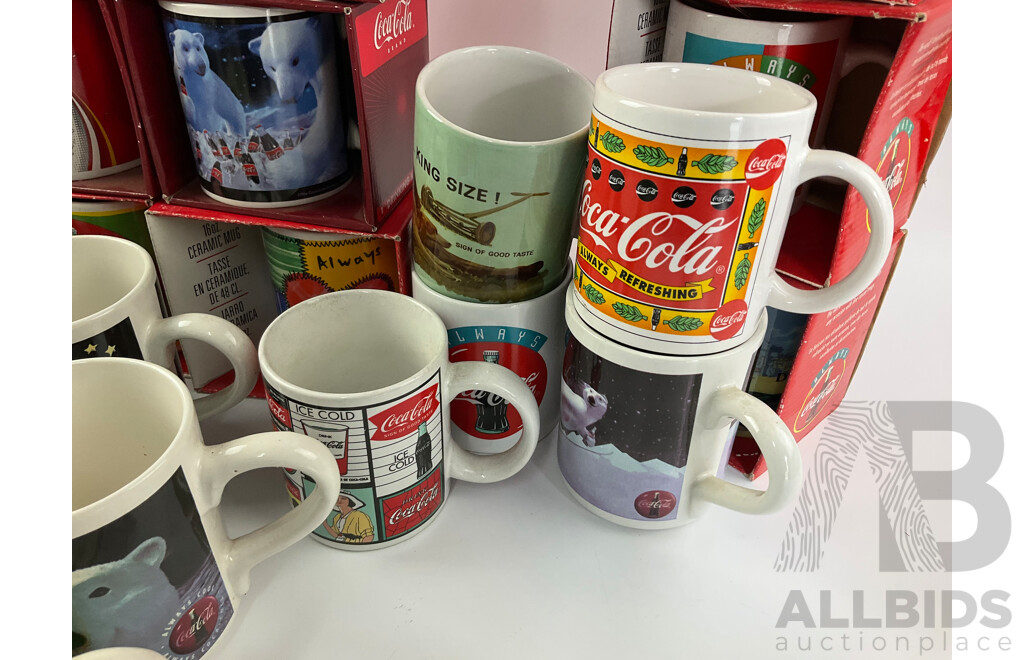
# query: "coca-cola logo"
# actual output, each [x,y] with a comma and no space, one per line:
[480,397]
[729,319]
[334,444]
[405,511]
[426,499]
[405,417]
[655,503]
[647,190]
[388,27]
[723,199]
[195,626]
[765,164]
[616,180]
[279,411]
[595,169]
[684,197]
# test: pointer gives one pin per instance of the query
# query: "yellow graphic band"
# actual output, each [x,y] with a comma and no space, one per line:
[613,271]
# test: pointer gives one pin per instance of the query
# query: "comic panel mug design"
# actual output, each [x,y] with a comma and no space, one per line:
[152,564]
[304,264]
[527,337]
[115,312]
[643,437]
[367,374]
[500,138]
[686,200]
[262,101]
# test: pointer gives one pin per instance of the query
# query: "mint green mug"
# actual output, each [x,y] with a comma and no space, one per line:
[500,147]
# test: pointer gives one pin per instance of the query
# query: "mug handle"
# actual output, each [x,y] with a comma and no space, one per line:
[777,445]
[272,449]
[496,379]
[225,337]
[825,163]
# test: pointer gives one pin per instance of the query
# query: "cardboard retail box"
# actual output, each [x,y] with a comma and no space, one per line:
[214,262]
[138,183]
[386,48]
[892,120]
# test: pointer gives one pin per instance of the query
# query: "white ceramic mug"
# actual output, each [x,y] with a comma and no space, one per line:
[643,437]
[367,373]
[685,204]
[152,564]
[115,312]
[802,48]
[527,337]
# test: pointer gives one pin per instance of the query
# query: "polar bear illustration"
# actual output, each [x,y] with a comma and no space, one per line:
[296,54]
[127,602]
[212,104]
[582,411]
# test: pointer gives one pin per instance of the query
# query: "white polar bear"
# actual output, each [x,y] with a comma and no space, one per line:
[580,413]
[127,602]
[296,54]
[213,106]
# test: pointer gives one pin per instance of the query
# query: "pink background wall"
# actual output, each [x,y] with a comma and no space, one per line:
[573,31]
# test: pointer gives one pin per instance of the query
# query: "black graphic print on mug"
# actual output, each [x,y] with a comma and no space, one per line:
[625,435]
[117,341]
[149,580]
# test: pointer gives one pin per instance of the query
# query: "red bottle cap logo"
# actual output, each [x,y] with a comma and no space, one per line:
[655,503]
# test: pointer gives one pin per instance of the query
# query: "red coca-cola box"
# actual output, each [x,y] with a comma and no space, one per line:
[893,120]
[386,47]
[139,183]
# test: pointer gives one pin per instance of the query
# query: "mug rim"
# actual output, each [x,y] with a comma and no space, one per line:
[606,95]
[104,207]
[431,68]
[316,236]
[813,22]
[651,362]
[89,514]
[147,274]
[439,334]
[473,306]
[201,10]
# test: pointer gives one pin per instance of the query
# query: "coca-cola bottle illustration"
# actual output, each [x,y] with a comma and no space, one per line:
[214,149]
[238,151]
[249,165]
[287,144]
[681,165]
[271,148]
[491,412]
[423,449]
[655,509]
[254,142]
[216,174]
[225,151]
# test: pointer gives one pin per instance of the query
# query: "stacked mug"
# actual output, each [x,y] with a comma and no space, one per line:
[500,144]
[691,176]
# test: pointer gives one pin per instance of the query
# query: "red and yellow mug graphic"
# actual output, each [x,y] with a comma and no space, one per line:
[670,233]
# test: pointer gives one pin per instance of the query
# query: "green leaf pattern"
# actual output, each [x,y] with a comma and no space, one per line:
[628,312]
[593,294]
[756,218]
[612,142]
[715,163]
[653,156]
[742,272]
[683,323]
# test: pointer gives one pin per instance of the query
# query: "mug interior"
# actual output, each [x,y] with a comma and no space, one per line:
[507,94]
[704,88]
[103,271]
[124,416]
[352,342]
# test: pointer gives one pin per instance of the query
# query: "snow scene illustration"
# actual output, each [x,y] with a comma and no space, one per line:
[262,102]
[624,435]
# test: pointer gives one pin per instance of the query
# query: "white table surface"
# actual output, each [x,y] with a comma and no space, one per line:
[518,569]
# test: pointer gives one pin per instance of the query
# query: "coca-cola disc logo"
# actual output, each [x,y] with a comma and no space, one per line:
[729,320]
[405,417]
[765,164]
[195,626]
[468,407]
[655,503]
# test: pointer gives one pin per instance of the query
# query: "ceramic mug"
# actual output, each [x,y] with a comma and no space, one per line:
[367,373]
[122,653]
[499,151]
[152,564]
[685,204]
[123,219]
[304,264]
[527,337]
[260,91]
[643,437]
[801,48]
[115,312]
[103,139]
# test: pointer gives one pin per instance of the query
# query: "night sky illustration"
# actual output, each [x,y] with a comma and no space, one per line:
[117,341]
[649,415]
